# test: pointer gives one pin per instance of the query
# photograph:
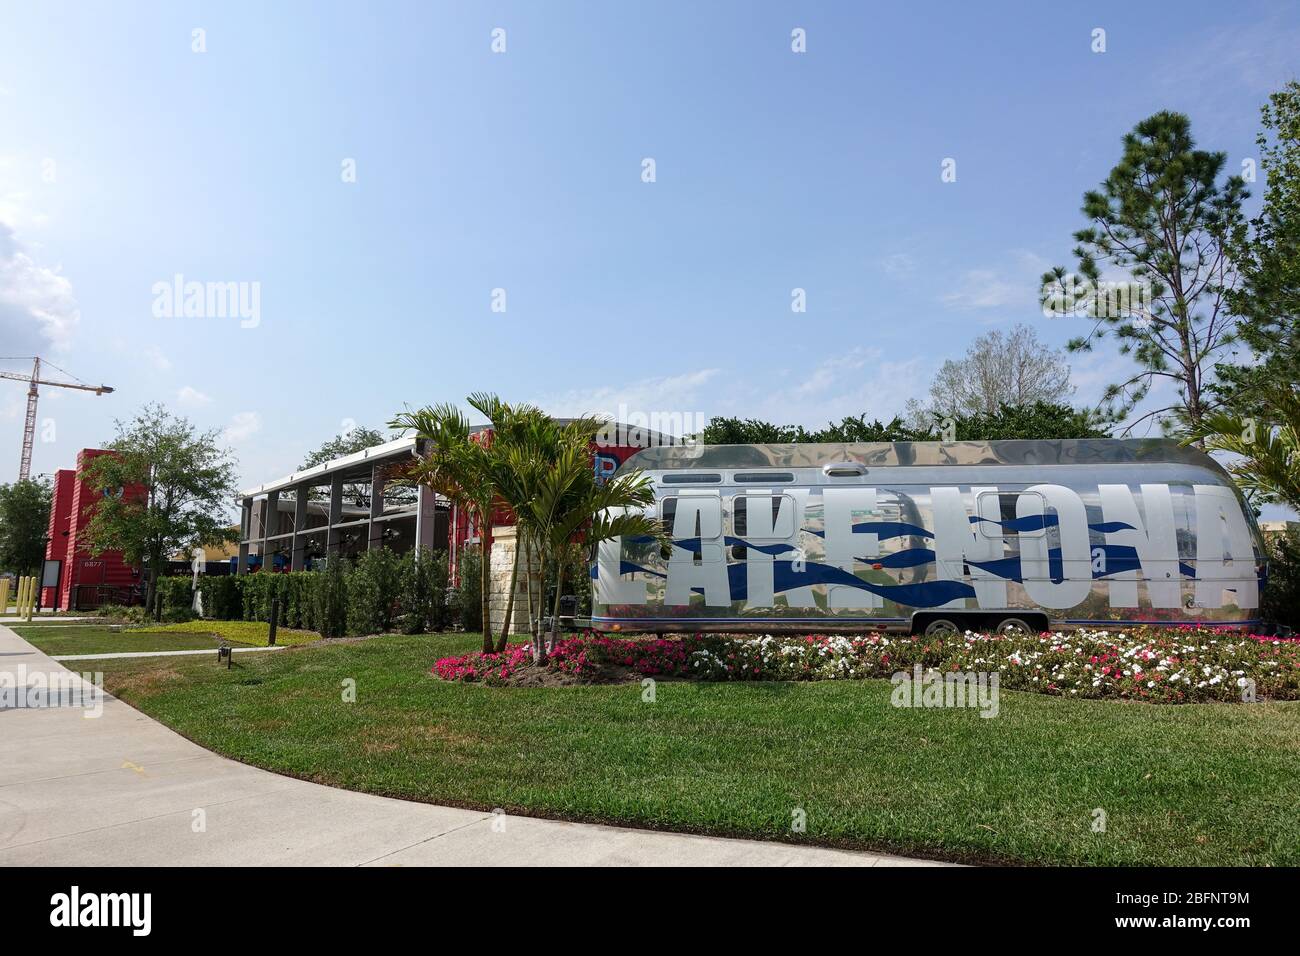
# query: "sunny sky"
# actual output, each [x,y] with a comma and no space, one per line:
[375,172]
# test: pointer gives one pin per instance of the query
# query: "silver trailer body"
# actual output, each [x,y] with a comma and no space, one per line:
[915,535]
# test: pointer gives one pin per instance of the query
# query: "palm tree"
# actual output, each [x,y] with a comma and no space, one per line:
[524,438]
[459,466]
[565,504]
[1269,467]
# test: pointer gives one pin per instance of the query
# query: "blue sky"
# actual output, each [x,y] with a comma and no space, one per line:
[127,158]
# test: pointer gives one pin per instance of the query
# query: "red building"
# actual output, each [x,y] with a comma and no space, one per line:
[85,581]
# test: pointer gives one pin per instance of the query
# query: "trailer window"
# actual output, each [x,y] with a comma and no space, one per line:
[692,478]
[780,507]
[761,477]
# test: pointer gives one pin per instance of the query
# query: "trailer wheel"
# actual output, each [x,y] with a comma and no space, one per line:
[1014,625]
[942,627]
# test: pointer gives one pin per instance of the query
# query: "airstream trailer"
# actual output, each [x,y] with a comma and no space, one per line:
[933,537]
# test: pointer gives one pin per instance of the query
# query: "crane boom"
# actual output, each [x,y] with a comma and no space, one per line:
[29,426]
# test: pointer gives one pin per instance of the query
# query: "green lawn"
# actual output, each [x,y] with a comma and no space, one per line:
[1207,784]
[253,633]
[99,639]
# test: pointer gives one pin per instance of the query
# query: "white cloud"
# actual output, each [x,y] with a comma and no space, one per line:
[1015,285]
[160,361]
[243,425]
[898,264]
[188,395]
[37,308]
[984,289]
[832,371]
[664,395]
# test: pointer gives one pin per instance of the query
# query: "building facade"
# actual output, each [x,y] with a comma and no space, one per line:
[85,580]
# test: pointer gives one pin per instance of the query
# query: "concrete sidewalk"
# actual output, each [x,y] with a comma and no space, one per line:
[124,790]
[112,655]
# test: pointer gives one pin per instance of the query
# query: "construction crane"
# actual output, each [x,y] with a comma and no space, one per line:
[29,429]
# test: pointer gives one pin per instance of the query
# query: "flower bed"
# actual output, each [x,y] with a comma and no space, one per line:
[1158,665]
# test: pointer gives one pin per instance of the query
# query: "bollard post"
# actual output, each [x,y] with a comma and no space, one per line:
[31,596]
[275,620]
[4,596]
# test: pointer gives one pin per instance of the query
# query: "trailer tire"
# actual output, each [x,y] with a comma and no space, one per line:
[942,627]
[1014,625]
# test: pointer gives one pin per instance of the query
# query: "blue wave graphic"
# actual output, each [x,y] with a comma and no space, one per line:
[907,558]
[1107,527]
[695,545]
[786,578]
[1018,525]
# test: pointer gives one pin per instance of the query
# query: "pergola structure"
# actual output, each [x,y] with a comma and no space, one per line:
[343,506]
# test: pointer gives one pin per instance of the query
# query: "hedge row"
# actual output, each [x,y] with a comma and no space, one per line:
[379,591]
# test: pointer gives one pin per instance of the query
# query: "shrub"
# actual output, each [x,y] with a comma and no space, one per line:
[468,594]
[176,597]
[120,612]
[331,599]
[1281,601]
[373,587]
[223,596]
[424,605]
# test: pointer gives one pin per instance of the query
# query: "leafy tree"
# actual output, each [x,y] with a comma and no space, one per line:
[1163,217]
[1013,369]
[851,429]
[1039,420]
[177,488]
[1281,599]
[24,522]
[751,431]
[1268,259]
[358,438]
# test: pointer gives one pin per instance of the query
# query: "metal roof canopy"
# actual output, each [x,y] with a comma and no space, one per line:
[354,467]
[899,454]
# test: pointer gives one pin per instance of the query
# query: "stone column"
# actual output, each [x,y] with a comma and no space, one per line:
[378,478]
[245,532]
[270,526]
[336,515]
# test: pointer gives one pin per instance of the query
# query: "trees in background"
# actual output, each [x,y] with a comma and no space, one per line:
[1267,256]
[355,439]
[1261,420]
[1165,222]
[24,522]
[1039,420]
[187,482]
[999,369]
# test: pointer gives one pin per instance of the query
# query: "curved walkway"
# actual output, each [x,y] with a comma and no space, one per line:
[122,789]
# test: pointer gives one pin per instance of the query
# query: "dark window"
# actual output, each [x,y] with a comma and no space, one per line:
[692,478]
[759,477]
